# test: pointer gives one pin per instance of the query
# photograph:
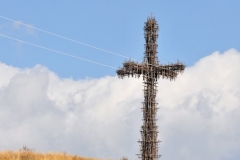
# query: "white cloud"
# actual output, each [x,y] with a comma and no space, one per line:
[198,118]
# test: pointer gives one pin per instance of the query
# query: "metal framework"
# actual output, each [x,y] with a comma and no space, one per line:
[151,71]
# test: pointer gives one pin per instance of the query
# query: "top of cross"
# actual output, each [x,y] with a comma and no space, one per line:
[150,65]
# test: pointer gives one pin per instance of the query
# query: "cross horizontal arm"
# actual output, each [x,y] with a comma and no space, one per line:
[131,68]
[171,70]
[177,67]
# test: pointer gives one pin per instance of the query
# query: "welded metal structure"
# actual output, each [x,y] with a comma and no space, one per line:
[151,71]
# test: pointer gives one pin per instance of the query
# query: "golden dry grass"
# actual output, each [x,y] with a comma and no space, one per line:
[32,155]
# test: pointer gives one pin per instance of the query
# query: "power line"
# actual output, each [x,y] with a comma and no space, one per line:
[72,40]
[69,39]
[66,54]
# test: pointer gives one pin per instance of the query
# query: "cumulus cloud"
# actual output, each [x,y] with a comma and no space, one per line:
[198,117]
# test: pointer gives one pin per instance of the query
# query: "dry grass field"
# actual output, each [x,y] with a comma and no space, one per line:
[27,154]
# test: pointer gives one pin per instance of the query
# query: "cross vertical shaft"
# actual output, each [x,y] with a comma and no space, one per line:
[151,72]
[149,142]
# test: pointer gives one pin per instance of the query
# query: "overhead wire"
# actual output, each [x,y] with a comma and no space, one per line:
[59,52]
[70,39]
[63,53]
[63,37]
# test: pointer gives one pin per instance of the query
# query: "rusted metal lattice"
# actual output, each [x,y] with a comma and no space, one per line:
[151,71]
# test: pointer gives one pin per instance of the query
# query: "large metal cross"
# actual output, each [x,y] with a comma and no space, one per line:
[151,71]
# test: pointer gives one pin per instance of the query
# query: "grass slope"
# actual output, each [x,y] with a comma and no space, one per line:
[27,154]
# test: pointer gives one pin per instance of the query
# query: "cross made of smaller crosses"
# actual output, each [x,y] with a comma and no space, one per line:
[151,71]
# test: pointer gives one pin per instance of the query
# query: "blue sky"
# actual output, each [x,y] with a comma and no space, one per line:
[89,115]
[189,30]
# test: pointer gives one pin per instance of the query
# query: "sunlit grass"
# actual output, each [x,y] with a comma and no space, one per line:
[27,154]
